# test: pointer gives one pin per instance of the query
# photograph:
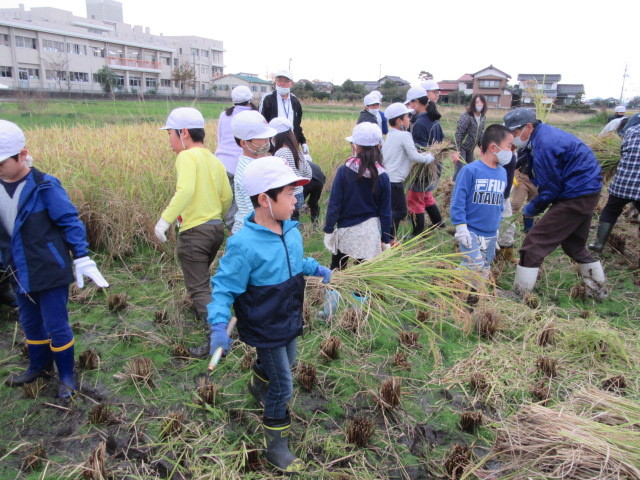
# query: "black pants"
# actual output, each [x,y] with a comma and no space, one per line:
[614,207]
[313,190]
[398,207]
[339,261]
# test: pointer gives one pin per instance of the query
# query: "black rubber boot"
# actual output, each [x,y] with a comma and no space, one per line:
[202,351]
[258,384]
[64,361]
[417,221]
[276,441]
[604,230]
[434,215]
[40,364]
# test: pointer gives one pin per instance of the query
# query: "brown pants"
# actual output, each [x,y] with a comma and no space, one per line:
[524,191]
[566,224]
[197,248]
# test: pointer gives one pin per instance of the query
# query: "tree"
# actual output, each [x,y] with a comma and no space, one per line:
[56,68]
[184,76]
[107,80]
[303,89]
[634,103]
[424,76]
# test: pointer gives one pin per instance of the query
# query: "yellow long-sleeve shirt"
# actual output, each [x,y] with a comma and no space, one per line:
[202,193]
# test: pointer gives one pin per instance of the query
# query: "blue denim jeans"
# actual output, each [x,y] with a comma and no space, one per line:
[277,364]
[480,255]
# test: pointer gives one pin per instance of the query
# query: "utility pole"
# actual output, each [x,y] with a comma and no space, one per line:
[624,77]
[290,64]
[380,72]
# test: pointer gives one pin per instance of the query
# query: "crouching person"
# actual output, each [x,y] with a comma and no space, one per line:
[39,228]
[261,274]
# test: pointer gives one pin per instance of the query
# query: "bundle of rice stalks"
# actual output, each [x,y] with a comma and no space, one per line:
[409,339]
[330,348]
[487,323]
[95,468]
[478,382]
[607,408]
[389,394]
[102,414]
[541,392]
[547,335]
[161,316]
[89,360]
[400,361]
[352,319]
[33,389]
[206,391]
[607,150]
[117,302]
[179,350]
[616,384]
[172,425]
[457,461]
[307,376]
[547,366]
[423,316]
[470,421]
[252,460]
[617,242]
[531,300]
[410,276]
[33,460]
[579,292]
[359,430]
[542,443]
[426,175]
[140,369]
[248,359]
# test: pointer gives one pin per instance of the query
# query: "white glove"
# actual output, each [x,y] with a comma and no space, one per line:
[85,267]
[463,236]
[331,242]
[429,157]
[386,246]
[305,149]
[160,229]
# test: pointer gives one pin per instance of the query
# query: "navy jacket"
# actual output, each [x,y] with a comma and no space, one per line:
[269,110]
[261,274]
[561,166]
[366,116]
[352,201]
[426,132]
[46,230]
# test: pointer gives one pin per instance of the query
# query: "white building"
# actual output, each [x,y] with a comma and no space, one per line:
[223,85]
[51,49]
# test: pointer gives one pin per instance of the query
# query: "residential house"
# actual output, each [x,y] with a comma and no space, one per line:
[545,83]
[370,85]
[569,93]
[447,87]
[222,86]
[326,87]
[491,82]
[465,84]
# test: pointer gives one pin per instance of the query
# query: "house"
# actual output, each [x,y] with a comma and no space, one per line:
[491,82]
[465,84]
[447,87]
[326,87]
[369,85]
[222,86]
[568,93]
[400,82]
[546,83]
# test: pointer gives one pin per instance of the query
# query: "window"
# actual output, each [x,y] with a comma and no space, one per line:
[254,88]
[175,62]
[492,98]
[26,42]
[119,80]
[167,61]
[203,86]
[203,69]
[133,54]
[113,52]
[4,39]
[470,86]
[180,50]
[195,52]
[53,46]
[98,52]
[263,89]
[151,82]
[78,76]
[489,83]
[95,30]
[150,58]
[205,53]
[165,82]
[135,82]
[5,72]
[76,49]
[28,74]
[56,75]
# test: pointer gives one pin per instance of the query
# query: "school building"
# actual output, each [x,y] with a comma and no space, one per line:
[52,49]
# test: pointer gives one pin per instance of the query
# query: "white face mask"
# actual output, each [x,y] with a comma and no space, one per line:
[283,90]
[518,142]
[504,156]
[373,111]
[479,108]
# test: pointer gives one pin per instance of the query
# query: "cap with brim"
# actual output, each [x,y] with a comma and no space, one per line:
[366,135]
[430,85]
[266,173]
[184,117]
[519,117]
[620,109]
[414,93]
[396,110]
[241,94]
[371,99]
[12,140]
[281,124]
[250,124]
[286,74]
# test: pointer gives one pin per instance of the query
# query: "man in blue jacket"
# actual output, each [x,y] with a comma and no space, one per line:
[40,233]
[569,180]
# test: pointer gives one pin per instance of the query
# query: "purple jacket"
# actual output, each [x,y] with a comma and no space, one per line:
[228,150]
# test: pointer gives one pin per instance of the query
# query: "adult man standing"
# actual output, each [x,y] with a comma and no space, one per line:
[282,103]
[569,179]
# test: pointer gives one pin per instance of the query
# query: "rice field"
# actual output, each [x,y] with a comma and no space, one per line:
[404,388]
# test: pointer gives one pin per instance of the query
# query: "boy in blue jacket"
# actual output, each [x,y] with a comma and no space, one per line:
[39,228]
[262,275]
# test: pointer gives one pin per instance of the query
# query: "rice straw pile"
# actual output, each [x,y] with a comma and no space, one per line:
[421,172]
[607,150]
[607,408]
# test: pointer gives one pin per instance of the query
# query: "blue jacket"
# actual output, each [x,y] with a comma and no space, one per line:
[562,167]
[261,274]
[426,132]
[353,201]
[46,229]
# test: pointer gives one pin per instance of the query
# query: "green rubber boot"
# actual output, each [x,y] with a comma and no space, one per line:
[276,441]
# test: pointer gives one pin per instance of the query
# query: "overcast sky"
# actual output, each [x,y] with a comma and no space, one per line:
[585,42]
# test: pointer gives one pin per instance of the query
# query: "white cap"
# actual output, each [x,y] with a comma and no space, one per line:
[12,139]
[371,99]
[281,124]
[430,85]
[396,110]
[250,124]
[241,94]
[376,93]
[366,135]
[184,117]
[285,73]
[265,173]
[620,109]
[414,93]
